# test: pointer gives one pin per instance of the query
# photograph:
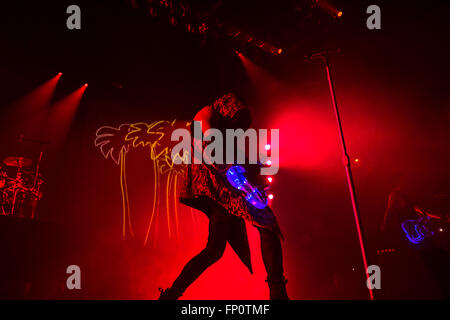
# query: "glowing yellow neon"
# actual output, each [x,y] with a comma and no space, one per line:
[154,204]
[175,189]
[115,143]
[167,204]
[124,199]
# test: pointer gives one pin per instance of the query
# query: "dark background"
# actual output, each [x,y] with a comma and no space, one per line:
[391,84]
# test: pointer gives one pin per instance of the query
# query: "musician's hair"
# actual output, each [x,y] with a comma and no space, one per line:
[230,112]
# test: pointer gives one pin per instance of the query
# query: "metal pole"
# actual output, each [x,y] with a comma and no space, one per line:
[351,185]
[38,165]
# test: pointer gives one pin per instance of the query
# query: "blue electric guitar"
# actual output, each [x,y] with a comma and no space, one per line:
[417,230]
[245,181]
[254,194]
[425,226]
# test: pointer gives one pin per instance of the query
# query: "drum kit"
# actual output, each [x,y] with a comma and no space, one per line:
[19,187]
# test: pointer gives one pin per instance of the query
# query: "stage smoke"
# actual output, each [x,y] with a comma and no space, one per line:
[61,115]
[29,112]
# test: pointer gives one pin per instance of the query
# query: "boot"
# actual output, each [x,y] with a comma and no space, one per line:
[277,288]
[169,294]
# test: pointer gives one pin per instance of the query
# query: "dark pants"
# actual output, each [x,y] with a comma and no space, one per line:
[217,240]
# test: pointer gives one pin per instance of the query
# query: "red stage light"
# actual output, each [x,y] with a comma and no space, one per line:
[270,196]
[339,14]
[270,179]
[29,112]
[39,97]
[356,160]
[268,162]
[267,146]
[62,114]
[280,51]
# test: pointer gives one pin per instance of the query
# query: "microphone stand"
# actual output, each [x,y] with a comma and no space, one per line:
[345,159]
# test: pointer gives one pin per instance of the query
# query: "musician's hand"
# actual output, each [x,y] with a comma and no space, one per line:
[418,210]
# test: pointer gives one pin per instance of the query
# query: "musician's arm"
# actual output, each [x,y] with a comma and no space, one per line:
[388,211]
[431,215]
[205,117]
[384,223]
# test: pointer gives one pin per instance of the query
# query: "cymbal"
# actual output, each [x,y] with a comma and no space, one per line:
[17,162]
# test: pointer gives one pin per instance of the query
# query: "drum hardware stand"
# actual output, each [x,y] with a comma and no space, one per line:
[346,160]
[14,200]
[35,185]
[36,180]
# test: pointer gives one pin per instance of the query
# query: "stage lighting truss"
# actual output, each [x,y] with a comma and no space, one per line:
[202,21]
[326,6]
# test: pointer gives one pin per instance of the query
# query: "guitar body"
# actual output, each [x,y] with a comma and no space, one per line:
[246,182]
[238,179]
[417,230]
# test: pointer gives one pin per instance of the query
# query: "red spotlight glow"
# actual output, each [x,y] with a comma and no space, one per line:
[265,84]
[316,147]
[29,112]
[339,14]
[40,96]
[280,51]
[270,179]
[62,114]
[270,196]
[268,162]
[85,84]
[356,160]
[267,146]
